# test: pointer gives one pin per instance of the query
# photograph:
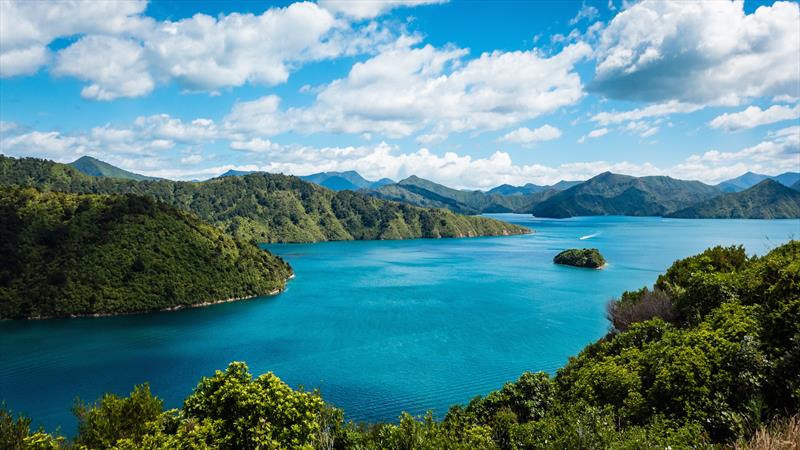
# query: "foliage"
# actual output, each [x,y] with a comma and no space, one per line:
[112,418]
[639,306]
[96,168]
[710,378]
[581,257]
[768,199]
[268,207]
[68,254]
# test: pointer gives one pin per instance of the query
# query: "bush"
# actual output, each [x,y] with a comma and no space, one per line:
[639,306]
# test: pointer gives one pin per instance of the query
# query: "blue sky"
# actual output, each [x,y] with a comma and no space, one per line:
[467,93]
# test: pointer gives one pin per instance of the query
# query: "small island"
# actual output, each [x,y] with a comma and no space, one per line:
[589,258]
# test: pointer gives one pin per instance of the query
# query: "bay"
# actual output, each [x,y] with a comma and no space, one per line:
[380,327]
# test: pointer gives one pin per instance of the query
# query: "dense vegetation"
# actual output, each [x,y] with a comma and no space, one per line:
[268,207]
[581,257]
[69,254]
[766,200]
[622,195]
[96,168]
[716,360]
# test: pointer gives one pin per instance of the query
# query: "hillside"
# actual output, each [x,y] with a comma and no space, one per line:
[96,168]
[68,254]
[766,200]
[268,207]
[612,194]
[796,186]
[704,359]
[751,179]
[420,192]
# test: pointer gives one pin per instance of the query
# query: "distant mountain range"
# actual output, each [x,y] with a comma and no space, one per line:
[530,188]
[613,194]
[96,168]
[768,199]
[340,181]
[604,194]
[751,179]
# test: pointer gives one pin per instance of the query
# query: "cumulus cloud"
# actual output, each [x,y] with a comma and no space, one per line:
[405,89]
[699,52]
[526,136]
[27,27]
[655,110]
[366,9]
[754,116]
[586,12]
[122,53]
[780,152]
[596,133]
[151,145]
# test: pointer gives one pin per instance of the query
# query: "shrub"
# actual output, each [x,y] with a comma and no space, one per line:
[639,306]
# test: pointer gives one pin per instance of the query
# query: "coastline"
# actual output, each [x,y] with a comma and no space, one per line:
[272,293]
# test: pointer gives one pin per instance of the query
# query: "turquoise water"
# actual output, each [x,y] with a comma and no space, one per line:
[379,327]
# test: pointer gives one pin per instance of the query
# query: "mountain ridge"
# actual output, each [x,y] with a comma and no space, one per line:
[768,199]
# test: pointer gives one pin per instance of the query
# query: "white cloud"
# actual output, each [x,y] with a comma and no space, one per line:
[699,52]
[27,27]
[122,53]
[148,149]
[587,12]
[366,9]
[527,136]
[656,110]
[779,153]
[255,145]
[405,89]
[114,67]
[754,116]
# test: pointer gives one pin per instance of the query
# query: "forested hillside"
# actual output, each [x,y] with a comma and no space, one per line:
[612,194]
[704,359]
[68,254]
[96,168]
[268,207]
[768,199]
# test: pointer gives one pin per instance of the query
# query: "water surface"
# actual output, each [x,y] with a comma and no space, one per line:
[379,327]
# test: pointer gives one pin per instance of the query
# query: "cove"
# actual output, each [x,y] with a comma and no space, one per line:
[380,327]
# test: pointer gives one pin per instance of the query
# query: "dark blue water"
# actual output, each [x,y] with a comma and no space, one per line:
[379,327]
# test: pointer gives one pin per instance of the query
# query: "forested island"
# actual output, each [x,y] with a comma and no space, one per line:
[706,358]
[267,207]
[89,254]
[589,258]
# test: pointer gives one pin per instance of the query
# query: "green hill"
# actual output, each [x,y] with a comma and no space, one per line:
[96,168]
[612,194]
[768,199]
[268,207]
[420,192]
[69,254]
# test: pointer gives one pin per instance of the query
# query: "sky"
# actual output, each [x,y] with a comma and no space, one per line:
[468,93]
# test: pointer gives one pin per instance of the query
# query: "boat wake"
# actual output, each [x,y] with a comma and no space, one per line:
[589,236]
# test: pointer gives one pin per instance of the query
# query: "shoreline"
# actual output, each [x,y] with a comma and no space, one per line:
[272,293]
